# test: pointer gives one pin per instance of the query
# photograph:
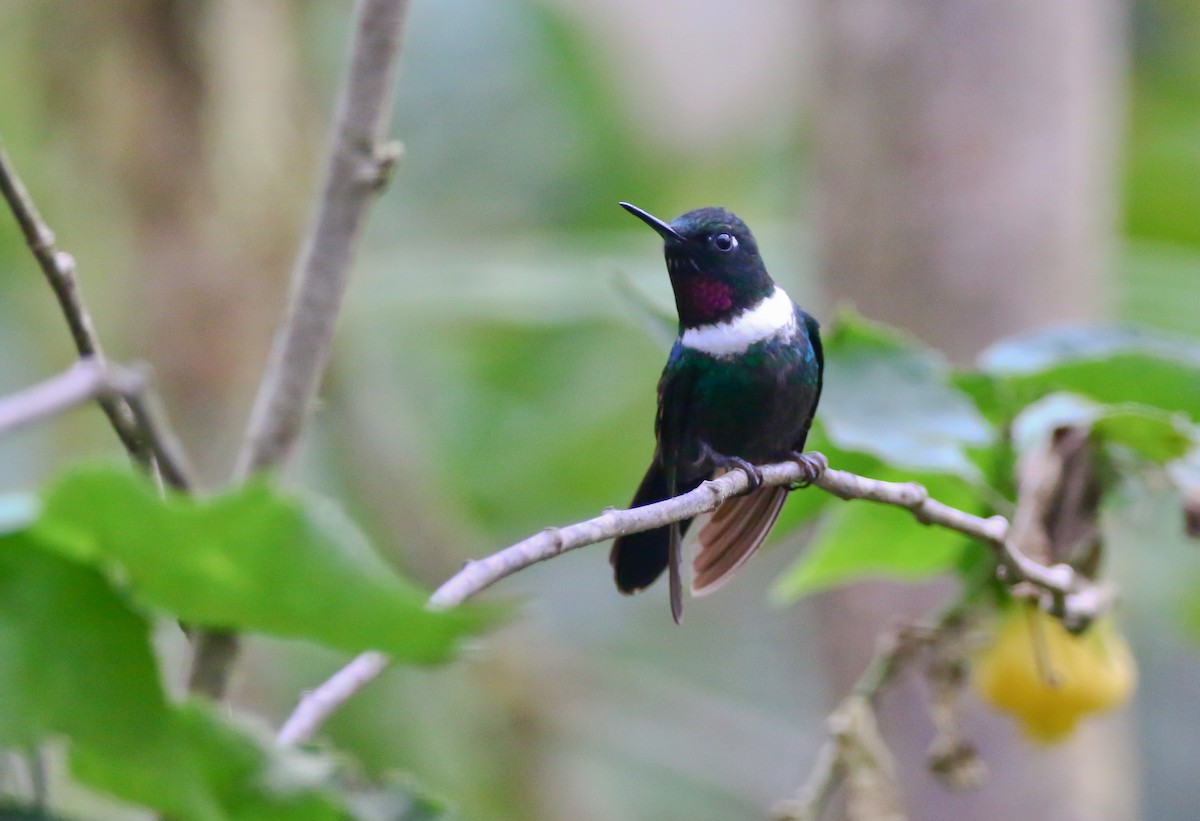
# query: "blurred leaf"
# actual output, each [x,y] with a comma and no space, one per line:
[1111,365]
[400,800]
[253,777]
[253,559]
[888,396]
[78,663]
[1150,433]
[864,540]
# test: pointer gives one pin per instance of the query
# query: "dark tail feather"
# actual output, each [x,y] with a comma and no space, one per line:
[675,571]
[640,558]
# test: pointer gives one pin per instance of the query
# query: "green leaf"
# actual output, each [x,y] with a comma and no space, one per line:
[254,559]
[77,662]
[888,396]
[1111,365]
[867,540]
[1151,433]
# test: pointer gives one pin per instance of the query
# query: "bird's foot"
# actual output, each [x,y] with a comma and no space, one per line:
[812,465]
[754,477]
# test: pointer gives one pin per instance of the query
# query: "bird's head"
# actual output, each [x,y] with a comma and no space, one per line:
[713,262]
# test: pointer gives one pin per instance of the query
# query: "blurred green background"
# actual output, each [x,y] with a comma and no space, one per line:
[495,366]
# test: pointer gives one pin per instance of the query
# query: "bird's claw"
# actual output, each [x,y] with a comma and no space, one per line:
[754,477]
[812,465]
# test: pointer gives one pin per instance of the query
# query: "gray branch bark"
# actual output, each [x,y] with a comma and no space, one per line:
[59,270]
[1066,591]
[93,379]
[358,166]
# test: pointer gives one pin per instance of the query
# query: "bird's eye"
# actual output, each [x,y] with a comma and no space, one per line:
[725,242]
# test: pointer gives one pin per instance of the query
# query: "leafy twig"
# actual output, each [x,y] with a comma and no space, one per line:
[359,163]
[1067,588]
[59,270]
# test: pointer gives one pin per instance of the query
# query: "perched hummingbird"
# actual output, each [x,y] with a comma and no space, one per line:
[740,388]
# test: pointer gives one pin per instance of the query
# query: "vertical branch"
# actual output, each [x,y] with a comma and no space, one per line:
[358,166]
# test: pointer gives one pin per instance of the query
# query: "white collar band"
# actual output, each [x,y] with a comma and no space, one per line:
[772,315]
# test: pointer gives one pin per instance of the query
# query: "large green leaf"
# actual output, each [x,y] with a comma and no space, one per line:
[890,397]
[867,540]
[1111,365]
[76,662]
[254,559]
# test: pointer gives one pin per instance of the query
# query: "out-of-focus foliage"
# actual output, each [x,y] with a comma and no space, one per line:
[891,397]
[1134,389]
[75,579]
[865,540]
[253,559]
[1160,284]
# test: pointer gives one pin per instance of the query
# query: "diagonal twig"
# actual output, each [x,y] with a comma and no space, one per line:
[59,270]
[1068,588]
[894,650]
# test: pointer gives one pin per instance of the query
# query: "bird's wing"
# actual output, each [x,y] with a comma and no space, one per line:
[731,536]
[813,329]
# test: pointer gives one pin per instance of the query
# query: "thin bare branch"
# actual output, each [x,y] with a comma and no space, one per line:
[358,166]
[84,381]
[170,457]
[92,379]
[59,270]
[58,266]
[319,704]
[894,649]
[1065,588]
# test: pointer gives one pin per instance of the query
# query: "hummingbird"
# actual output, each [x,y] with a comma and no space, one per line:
[739,389]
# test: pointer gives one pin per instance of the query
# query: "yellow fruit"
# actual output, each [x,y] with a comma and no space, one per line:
[1049,679]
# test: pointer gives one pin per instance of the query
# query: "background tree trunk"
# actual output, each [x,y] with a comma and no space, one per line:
[192,118]
[966,191]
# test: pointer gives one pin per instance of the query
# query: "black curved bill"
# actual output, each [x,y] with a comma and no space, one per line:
[664,230]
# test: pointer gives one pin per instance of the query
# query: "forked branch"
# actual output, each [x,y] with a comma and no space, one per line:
[59,270]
